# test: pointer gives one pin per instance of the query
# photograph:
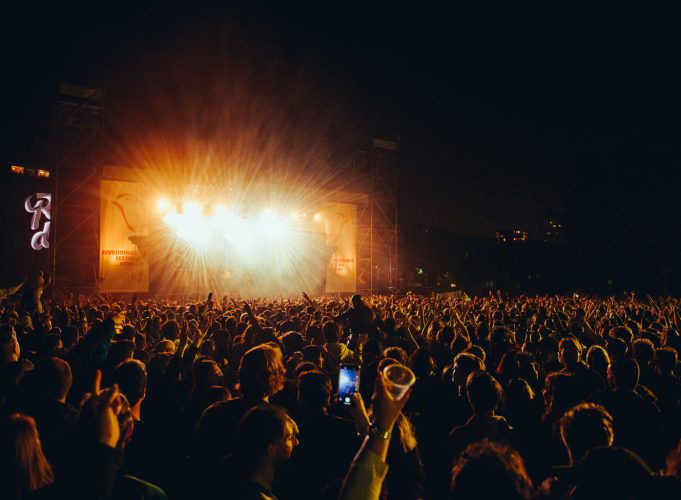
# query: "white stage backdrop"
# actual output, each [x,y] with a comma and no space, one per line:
[341,239]
[123,214]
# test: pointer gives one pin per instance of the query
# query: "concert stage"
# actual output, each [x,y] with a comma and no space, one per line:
[171,240]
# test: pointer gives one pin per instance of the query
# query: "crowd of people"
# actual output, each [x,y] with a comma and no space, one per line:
[515,397]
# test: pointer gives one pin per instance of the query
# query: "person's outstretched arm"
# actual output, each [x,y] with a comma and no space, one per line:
[310,301]
[205,307]
[105,456]
[252,317]
[365,477]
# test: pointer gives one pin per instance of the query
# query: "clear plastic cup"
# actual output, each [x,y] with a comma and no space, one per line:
[398,379]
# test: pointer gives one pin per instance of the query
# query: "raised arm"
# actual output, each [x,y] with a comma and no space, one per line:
[310,301]
[252,317]
[206,305]
[365,477]
[459,322]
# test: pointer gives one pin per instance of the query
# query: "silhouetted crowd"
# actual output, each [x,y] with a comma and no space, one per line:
[515,397]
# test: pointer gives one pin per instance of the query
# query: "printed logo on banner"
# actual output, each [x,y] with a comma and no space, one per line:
[338,265]
[123,215]
[39,208]
[341,237]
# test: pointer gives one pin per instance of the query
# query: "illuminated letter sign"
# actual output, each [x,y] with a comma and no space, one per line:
[40,207]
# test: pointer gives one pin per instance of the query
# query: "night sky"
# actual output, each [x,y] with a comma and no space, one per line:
[502,114]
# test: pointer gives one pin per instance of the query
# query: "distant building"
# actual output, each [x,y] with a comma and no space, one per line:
[554,231]
[511,236]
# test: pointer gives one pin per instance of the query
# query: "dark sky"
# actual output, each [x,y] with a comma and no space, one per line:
[502,114]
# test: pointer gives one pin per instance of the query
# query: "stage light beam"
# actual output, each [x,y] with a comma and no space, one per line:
[271,226]
[192,208]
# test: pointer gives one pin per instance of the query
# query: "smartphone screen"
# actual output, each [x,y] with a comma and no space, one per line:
[348,383]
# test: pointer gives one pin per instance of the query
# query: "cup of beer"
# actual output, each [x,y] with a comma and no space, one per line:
[398,379]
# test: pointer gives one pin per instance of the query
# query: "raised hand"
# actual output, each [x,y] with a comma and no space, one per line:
[199,333]
[184,335]
[359,413]
[106,405]
[385,407]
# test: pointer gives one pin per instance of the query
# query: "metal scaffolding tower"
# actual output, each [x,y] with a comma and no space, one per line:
[377,219]
[79,141]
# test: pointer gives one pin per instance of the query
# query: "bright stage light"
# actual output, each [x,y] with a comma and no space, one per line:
[270,225]
[269,215]
[317,217]
[193,234]
[238,233]
[193,228]
[191,224]
[163,204]
[244,243]
[171,218]
[192,208]
[271,246]
[188,222]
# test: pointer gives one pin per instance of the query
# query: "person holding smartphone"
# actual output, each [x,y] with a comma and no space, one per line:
[320,432]
[369,469]
[348,383]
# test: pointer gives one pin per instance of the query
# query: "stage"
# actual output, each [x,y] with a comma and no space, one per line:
[261,240]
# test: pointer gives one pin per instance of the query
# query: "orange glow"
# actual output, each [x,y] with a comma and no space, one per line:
[232,146]
[163,204]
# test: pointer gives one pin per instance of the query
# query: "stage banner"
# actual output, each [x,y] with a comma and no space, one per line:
[27,226]
[340,221]
[123,214]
